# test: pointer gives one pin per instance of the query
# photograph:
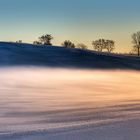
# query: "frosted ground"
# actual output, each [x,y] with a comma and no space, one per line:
[38,103]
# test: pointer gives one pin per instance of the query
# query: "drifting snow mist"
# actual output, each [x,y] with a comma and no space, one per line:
[42,99]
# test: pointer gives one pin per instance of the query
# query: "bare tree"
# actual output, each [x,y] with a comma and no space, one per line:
[68,44]
[110,45]
[46,39]
[99,45]
[136,42]
[82,46]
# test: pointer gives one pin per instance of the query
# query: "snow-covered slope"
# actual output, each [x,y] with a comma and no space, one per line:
[27,54]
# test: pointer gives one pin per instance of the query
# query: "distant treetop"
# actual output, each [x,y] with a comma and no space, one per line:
[82,46]
[101,44]
[44,40]
[68,44]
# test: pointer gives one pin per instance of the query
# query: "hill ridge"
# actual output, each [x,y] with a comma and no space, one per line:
[22,54]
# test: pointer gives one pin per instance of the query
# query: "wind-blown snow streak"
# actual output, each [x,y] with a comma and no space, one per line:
[40,103]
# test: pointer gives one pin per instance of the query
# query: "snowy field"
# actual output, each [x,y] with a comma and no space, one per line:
[61,104]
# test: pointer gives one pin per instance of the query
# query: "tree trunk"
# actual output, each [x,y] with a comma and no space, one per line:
[139,51]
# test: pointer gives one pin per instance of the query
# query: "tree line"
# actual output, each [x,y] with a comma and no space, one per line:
[46,40]
[99,45]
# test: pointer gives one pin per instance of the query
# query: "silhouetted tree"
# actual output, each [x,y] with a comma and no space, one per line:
[46,39]
[110,45]
[37,43]
[136,42]
[82,46]
[68,44]
[99,45]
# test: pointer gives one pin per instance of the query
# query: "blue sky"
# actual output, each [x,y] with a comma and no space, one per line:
[77,20]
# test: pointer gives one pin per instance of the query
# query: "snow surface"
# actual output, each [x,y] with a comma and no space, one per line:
[38,103]
[41,101]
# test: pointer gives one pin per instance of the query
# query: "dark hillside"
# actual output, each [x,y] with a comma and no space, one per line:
[14,54]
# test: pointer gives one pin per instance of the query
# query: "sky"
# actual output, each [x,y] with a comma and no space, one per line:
[80,21]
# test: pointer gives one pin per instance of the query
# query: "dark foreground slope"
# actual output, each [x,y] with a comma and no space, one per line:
[13,54]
